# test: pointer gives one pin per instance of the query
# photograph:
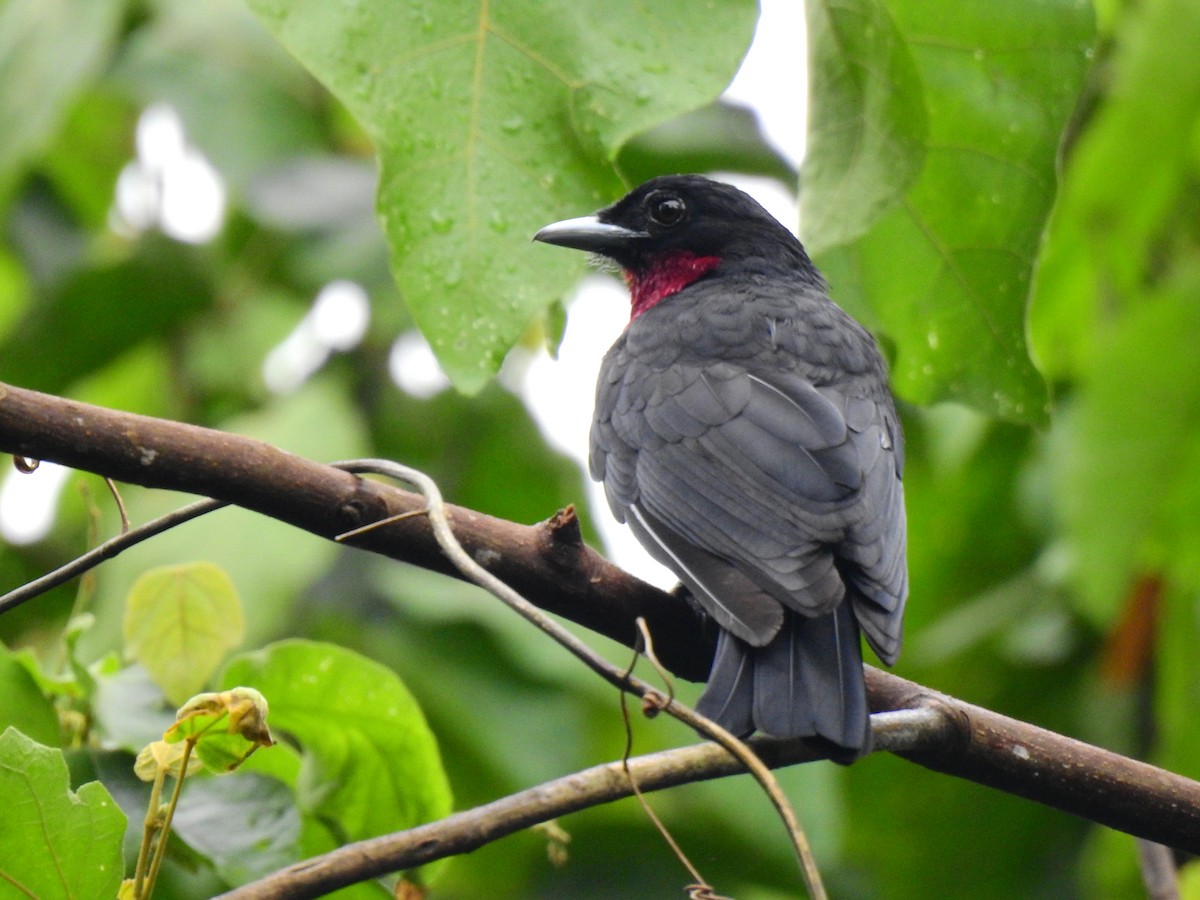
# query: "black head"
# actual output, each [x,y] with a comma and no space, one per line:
[676,214]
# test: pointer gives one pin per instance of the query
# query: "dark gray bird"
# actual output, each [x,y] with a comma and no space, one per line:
[745,432]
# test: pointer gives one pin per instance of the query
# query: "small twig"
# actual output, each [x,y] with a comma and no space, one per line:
[151,826]
[700,880]
[1159,874]
[160,849]
[382,523]
[648,651]
[485,579]
[116,495]
[105,551]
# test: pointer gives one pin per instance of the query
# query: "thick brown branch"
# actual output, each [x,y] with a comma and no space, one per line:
[551,567]
[1018,758]
[547,563]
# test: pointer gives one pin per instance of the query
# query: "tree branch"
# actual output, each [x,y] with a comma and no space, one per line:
[473,828]
[550,565]
[931,730]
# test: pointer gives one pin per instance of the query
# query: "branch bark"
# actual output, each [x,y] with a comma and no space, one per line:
[550,565]
[473,828]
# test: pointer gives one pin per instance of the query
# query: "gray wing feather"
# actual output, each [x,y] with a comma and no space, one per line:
[737,604]
[797,488]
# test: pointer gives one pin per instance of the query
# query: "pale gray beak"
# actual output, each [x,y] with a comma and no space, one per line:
[587,233]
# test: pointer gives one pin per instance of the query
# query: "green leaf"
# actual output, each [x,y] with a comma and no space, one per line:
[1129,483]
[25,707]
[1176,673]
[246,824]
[49,49]
[179,623]
[370,762]
[129,708]
[867,132]
[101,313]
[492,120]
[1189,881]
[721,136]
[197,55]
[14,289]
[945,271]
[58,843]
[159,756]
[1106,237]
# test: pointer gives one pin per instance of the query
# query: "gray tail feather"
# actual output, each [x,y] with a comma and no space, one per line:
[808,682]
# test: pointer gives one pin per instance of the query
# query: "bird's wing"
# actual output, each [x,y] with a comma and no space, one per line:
[764,473]
[873,552]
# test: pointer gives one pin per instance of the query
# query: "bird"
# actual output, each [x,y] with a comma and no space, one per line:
[745,432]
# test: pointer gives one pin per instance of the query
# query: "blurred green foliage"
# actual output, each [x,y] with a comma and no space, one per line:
[978,184]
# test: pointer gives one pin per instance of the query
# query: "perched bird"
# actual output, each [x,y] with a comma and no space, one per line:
[745,432]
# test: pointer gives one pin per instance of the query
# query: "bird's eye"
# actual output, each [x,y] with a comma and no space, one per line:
[665,209]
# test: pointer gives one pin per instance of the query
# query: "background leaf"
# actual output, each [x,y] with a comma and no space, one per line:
[1129,487]
[180,621]
[1122,211]
[85,322]
[370,763]
[492,120]
[868,128]
[49,50]
[246,823]
[25,708]
[57,843]
[947,271]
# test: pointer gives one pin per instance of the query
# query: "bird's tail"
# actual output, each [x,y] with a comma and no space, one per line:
[807,682]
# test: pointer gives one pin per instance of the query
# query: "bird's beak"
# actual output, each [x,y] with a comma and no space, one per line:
[588,233]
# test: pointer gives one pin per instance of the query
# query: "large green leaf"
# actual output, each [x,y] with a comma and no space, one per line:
[867,132]
[49,49]
[494,119]
[1130,479]
[58,843]
[246,824]
[944,260]
[370,763]
[1129,184]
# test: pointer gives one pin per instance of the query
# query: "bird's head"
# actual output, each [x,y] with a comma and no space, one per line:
[676,229]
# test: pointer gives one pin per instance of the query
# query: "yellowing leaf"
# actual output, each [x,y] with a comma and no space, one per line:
[160,755]
[179,623]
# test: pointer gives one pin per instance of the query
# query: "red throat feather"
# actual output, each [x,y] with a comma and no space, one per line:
[666,276]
